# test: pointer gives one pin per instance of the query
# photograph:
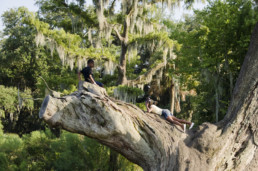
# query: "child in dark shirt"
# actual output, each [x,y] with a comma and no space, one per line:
[87,73]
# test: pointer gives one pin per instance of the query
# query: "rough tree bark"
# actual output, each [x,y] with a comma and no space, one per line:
[122,80]
[151,142]
[124,44]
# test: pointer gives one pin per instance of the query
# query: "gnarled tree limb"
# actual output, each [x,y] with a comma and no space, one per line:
[153,143]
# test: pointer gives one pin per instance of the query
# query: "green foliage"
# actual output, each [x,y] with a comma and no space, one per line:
[22,62]
[108,80]
[1,128]
[70,43]
[141,106]
[130,90]
[70,16]
[13,103]
[210,49]
[9,99]
[125,93]
[10,151]
[43,151]
[214,44]
[3,162]
[110,90]
[161,36]
[131,67]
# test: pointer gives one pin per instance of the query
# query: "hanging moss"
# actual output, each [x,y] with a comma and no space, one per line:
[127,94]
[67,45]
[12,100]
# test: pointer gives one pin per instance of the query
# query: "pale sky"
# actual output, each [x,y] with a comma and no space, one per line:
[7,4]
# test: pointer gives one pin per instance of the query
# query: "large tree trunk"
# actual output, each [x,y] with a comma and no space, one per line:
[122,79]
[153,143]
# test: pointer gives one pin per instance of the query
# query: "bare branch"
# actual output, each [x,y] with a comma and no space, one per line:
[118,34]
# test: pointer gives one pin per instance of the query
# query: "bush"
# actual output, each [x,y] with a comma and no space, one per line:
[43,151]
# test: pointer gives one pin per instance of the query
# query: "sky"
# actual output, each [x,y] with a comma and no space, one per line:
[7,4]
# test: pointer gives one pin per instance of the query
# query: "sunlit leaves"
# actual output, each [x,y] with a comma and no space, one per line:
[10,101]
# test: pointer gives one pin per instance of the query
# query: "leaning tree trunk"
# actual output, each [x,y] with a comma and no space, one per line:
[153,143]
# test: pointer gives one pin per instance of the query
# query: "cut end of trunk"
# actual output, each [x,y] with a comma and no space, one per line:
[44,107]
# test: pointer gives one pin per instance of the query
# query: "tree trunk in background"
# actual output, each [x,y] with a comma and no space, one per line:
[122,67]
[231,82]
[113,159]
[172,102]
[153,143]
[190,115]
[230,76]
[217,104]
[124,40]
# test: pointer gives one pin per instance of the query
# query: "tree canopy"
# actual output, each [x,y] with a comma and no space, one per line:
[191,67]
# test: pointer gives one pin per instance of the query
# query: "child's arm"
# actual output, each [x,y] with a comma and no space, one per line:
[148,109]
[92,79]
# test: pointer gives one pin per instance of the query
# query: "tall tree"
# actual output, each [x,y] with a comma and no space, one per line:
[137,25]
[153,143]
[23,64]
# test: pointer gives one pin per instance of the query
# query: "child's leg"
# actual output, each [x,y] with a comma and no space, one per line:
[181,120]
[169,118]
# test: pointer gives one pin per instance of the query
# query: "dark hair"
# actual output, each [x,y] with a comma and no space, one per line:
[90,61]
[149,101]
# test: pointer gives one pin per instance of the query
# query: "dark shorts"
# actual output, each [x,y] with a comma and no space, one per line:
[166,113]
[98,83]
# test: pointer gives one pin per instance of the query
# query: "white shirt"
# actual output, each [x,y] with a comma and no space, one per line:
[156,109]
